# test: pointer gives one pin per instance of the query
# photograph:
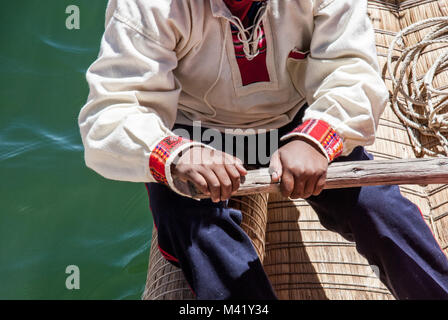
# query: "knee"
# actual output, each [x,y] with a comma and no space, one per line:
[382,212]
[383,205]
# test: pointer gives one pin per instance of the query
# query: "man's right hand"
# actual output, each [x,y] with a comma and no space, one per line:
[214,173]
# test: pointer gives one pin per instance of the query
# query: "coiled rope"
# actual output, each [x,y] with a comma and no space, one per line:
[418,104]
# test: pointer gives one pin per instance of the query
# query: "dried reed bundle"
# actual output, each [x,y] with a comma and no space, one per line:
[164,281]
[254,209]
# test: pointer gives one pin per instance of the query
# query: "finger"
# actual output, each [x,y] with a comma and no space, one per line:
[275,167]
[213,183]
[234,175]
[287,184]
[235,161]
[300,182]
[199,182]
[320,185]
[309,186]
[224,180]
[240,167]
[242,171]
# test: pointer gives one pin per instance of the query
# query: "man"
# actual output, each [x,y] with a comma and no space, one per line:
[302,68]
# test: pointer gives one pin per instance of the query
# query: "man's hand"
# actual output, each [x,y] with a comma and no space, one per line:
[301,167]
[213,172]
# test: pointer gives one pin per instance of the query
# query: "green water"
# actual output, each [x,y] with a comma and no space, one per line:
[55,212]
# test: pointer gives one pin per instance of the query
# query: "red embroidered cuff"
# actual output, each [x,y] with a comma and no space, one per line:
[321,131]
[161,153]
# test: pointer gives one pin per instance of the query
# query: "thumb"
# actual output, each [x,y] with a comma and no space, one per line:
[275,167]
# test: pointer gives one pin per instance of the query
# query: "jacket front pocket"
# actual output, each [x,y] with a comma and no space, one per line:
[296,66]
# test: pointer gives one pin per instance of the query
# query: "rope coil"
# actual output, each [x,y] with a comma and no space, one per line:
[418,104]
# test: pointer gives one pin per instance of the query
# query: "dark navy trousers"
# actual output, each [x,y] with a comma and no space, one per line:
[218,260]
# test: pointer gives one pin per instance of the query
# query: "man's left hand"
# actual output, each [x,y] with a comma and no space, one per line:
[300,167]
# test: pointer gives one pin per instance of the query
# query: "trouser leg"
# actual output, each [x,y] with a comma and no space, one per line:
[206,241]
[390,232]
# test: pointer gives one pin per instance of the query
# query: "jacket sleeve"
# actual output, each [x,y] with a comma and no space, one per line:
[133,98]
[344,89]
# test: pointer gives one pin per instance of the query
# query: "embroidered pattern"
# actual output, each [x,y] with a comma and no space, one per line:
[322,132]
[160,155]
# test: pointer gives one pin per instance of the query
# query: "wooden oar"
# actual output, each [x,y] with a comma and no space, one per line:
[350,174]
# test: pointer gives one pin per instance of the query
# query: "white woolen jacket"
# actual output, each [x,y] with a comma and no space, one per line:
[168,61]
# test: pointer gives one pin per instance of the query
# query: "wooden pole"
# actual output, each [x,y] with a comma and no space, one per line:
[351,174]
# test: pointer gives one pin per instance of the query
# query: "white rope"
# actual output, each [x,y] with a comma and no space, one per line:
[418,104]
[250,37]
